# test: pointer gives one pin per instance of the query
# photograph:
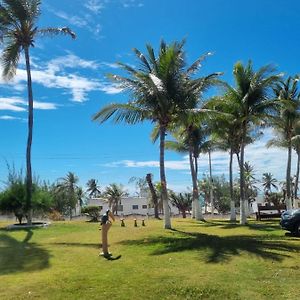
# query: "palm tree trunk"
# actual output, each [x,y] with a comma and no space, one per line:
[297,175]
[164,191]
[198,209]
[153,195]
[211,196]
[232,202]
[288,178]
[29,140]
[243,219]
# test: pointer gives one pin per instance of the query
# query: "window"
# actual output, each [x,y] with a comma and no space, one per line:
[135,207]
[144,206]
[120,207]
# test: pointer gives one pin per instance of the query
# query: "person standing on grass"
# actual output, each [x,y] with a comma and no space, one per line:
[105,225]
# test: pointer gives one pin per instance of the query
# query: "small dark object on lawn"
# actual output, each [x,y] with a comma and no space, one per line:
[135,223]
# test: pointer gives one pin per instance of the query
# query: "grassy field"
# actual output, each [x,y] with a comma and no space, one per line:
[195,260]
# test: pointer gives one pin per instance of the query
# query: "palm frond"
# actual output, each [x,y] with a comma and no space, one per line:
[127,113]
[197,64]
[56,31]
[143,59]
[10,59]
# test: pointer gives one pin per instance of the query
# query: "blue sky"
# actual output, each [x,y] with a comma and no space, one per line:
[70,83]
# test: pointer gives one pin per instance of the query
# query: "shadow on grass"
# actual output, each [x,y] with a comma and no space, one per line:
[218,249]
[90,245]
[21,256]
[225,224]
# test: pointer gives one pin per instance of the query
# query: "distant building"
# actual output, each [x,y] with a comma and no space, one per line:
[129,206]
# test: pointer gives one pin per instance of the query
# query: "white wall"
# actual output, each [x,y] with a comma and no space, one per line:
[131,206]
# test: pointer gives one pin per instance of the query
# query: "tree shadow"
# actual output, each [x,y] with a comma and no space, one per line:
[218,249]
[225,224]
[21,256]
[89,245]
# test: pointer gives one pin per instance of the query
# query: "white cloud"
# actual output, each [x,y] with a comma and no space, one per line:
[20,105]
[94,6]
[9,118]
[12,104]
[131,3]
[53,74]
[72,19]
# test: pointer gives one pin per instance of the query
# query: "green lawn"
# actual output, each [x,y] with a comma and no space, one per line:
[196,260]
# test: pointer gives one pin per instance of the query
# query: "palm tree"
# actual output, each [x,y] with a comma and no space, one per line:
[252,94]
[183,201]
[93,188]
[268,182]
[67,186]
[18,30]
[296,146]
[153,195]
[289,97]
[158,90]
[114,193]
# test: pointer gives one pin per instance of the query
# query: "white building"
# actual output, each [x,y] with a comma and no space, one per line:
[129,206]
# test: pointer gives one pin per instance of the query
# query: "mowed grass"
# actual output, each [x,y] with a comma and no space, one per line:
[195,260]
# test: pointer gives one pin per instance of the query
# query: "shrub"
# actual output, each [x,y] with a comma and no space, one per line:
[93,212]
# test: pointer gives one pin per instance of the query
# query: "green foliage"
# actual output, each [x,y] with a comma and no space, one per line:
[93,212]
[13,198]
[183,201]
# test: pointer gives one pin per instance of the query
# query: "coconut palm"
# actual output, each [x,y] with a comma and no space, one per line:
[268,182]
[67,187]
[158,90]
[183,201]
[191,140]
[284,124]
[252,94]
[18,31]
[113,194]
[296,146]
[93,188]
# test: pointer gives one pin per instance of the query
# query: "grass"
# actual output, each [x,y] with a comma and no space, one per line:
[195,260]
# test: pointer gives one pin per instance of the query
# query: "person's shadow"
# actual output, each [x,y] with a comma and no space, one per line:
[21,256]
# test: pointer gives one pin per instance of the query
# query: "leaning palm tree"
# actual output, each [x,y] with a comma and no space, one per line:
[18,31]
[284,124]
[183,201]
[252,94]
[158,90]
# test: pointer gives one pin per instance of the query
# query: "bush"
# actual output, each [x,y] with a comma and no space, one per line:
[56,216]
[92,212]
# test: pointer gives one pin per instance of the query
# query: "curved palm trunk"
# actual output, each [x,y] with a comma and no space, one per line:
[29,140]
[232,203]
[153,195]
[164,191]
[211,195]
[198,209]
[243,218]
[288,178]
[297,175]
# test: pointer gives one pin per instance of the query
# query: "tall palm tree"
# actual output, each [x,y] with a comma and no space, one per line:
[18,31]
[93,188]
[252,93]
[191,139]
[67,186]
[268,182]
[158,90]
[296,146]
[289,98]
[114,193]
